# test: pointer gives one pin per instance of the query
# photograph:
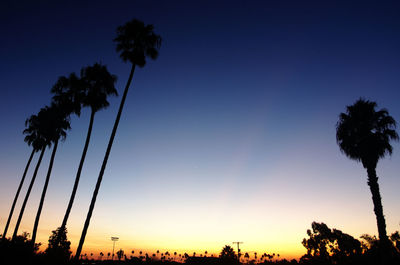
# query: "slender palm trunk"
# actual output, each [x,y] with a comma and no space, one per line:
[103,167]
[376,199]
[46,183]
[21,213]
[78,174]
[17,194]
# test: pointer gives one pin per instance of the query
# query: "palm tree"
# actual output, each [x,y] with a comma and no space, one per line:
[95,84]
[364,134]
[31,140]
[34,136]
[135,41]
[56,124]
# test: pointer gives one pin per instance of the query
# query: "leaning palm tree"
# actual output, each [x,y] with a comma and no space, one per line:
[56,124]
[34,136]
[135,41]
[364,134]
[96,84]
[31,140]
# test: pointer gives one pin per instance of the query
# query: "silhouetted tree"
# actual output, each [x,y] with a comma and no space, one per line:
[35,140]
[364,134]
[228,254]
[58,250]
[35,134]
[135,41]
[91,90]
[326,245]
[395,238]
[18,250]
[246,256]
[56,124]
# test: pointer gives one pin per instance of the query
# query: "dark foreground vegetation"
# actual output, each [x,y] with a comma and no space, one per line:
[323,246]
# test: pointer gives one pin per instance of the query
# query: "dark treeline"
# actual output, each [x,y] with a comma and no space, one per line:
[363,134]
[323,246]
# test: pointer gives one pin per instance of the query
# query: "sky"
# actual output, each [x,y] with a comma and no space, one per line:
[228,136]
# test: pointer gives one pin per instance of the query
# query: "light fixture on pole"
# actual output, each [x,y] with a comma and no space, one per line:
[113,239]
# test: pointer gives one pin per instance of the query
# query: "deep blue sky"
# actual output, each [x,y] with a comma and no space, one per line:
[239,109]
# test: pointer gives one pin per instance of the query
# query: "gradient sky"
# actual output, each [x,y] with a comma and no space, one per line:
[228,136]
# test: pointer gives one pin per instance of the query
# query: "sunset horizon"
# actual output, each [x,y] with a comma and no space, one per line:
[243,123]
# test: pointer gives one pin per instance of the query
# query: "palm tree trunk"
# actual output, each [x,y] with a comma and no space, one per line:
[376,199]
[28,192]
[46,183]
[78,174]
[17,194]
[103,167]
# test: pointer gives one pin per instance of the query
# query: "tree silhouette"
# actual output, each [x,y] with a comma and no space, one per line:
[58,250]
[135,41]
[228,254]
[364,134]
[246,256]
[36,141]
[325,244]
[34,135]
[91,90]
[55,126]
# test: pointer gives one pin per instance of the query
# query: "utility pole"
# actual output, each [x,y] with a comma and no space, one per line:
[238,253]
[113,239]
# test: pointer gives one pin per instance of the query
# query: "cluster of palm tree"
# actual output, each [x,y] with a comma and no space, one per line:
[135,42]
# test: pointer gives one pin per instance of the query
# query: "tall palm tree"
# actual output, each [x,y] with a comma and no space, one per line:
[35,136]
[95,85]
[33,141]
[55,126]
[364,134]
[135,41]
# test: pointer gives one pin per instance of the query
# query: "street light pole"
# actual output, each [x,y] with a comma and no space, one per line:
[113,239]
[238,254]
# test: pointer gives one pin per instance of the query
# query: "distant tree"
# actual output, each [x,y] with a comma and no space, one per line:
[135,41]
[246,256]
[120,254]
[58,249]
[108,255]
[330,245]
[395,238]
[101,255]
[364,134]
[228,254]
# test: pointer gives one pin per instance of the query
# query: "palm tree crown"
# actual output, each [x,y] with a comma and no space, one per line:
[136,41]
[34,132]
[68,94]
[98,83]
[364,134]
[55,123]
